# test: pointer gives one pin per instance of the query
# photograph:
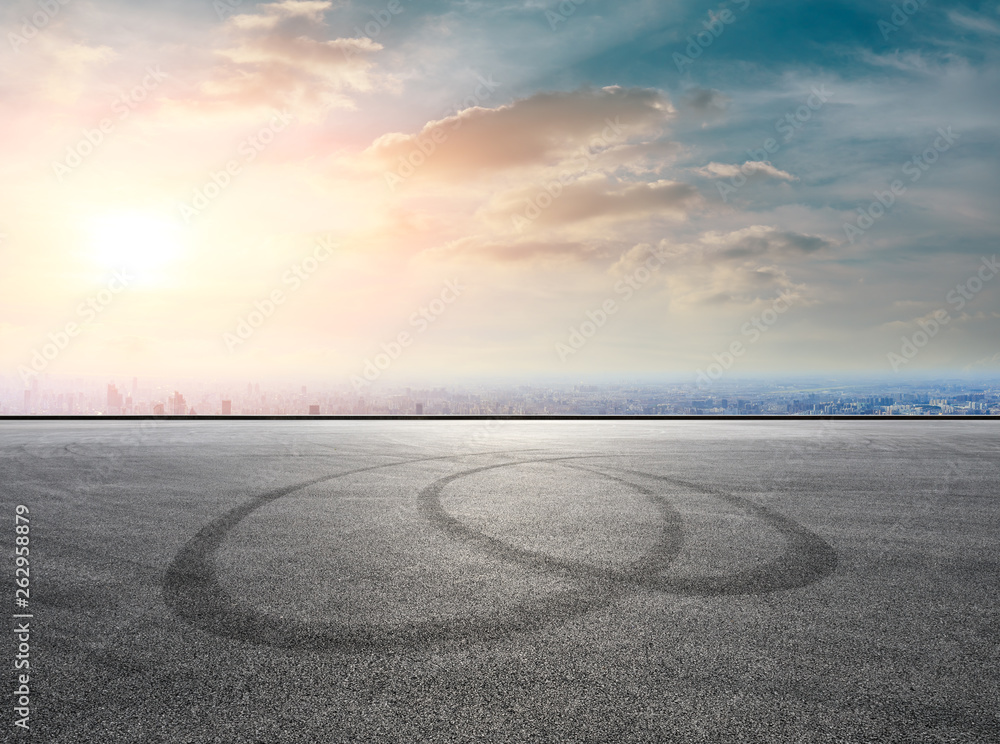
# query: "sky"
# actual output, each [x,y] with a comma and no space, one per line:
[378,191]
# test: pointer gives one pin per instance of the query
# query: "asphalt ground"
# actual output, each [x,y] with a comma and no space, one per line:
[372,581]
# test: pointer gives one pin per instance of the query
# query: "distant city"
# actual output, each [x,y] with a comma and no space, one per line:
[135,397]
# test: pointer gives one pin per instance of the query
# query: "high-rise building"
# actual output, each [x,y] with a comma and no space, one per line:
[314,410]
[177,405]
[114,401]
[420,409]
[227,408]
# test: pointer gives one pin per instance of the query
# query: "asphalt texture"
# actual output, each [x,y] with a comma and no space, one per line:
[620,581]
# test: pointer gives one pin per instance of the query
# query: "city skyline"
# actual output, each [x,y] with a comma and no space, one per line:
[732,397]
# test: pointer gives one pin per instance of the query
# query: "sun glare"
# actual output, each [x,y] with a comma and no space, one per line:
[139,241]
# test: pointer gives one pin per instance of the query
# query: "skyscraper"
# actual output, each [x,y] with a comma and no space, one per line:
[114,402]
[177,405]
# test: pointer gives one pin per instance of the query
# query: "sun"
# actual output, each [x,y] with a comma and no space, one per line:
[140,241]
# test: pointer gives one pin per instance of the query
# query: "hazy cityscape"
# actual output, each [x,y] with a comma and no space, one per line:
[807,397]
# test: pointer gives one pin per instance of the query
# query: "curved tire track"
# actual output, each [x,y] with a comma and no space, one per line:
[192,591]
[807,558]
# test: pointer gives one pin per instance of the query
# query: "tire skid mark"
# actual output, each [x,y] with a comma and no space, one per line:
[665,550]
[192,591]
[807,558]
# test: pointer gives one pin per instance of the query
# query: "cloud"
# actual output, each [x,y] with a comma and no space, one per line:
[743,285]
[989,361]
[974,23]
[277,57]
[54,68]
[274,13]
[751,167]
[703,105]
[706,99]
[763,240]
[511,251]
[80,54]
[591,198]
[328,59]
[741,268]
[541,130]
[912,61]
[642,159]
